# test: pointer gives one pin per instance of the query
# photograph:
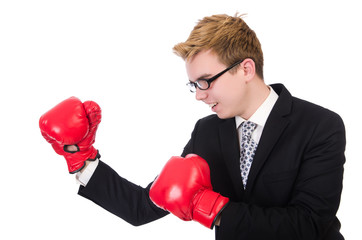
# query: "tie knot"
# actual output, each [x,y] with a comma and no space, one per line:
[247,128]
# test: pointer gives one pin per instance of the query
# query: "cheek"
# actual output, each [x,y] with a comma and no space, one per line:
[225,86]
[232,90]
[229,91]
[234,99]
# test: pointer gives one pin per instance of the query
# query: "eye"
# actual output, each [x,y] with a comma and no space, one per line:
[202,83]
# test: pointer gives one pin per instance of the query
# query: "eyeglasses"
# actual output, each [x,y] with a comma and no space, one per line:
[204,84]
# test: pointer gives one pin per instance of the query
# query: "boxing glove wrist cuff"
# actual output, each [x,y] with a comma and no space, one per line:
[208,206]
[94,157]
[76,161]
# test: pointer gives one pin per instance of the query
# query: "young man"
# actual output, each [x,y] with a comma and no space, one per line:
[266,166]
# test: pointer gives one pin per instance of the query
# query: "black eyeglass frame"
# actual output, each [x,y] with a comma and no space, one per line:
[196,84]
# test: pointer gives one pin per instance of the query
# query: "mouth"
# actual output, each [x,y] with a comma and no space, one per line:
[212,105]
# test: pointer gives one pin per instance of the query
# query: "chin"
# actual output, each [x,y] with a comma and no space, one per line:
[224,116]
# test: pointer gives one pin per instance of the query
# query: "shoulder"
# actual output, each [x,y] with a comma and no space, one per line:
[314,112]
[320,125]
[299,109]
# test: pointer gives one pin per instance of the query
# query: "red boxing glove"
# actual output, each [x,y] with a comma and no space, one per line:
[184,189]
[72,122]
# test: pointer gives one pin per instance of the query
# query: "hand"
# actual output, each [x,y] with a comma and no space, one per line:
[71,148]
[72,122]
[184,189]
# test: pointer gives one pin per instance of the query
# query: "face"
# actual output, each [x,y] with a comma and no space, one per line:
[227,95]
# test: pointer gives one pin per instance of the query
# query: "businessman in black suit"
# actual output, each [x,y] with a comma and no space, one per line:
[292,184]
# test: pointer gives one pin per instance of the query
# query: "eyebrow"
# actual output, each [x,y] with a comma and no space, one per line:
[203,77]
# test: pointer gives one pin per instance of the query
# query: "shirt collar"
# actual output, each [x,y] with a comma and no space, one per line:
[262,113]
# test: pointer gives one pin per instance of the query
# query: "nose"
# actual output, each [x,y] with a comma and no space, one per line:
[200,94]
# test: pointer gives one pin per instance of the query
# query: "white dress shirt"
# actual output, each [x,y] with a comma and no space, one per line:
[260,116]
[85,175]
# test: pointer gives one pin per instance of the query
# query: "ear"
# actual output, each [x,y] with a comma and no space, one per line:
[248,69]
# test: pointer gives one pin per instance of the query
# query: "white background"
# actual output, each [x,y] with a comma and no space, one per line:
[119,54]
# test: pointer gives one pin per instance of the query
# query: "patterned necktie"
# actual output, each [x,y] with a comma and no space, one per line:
[247,149]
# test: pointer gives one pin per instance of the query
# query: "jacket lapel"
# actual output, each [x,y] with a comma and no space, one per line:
[274,127]
[231,152]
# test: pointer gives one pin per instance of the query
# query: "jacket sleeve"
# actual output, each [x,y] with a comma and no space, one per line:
[311,211]
[121,197]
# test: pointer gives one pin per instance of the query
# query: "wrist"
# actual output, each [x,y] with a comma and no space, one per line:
[85,166]
[218,220]
[87,172]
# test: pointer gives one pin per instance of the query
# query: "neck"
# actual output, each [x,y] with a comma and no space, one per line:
[257,92]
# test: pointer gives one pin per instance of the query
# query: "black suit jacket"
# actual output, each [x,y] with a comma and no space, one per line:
[294,185]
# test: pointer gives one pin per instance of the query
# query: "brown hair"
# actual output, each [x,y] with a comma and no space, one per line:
[229,37]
